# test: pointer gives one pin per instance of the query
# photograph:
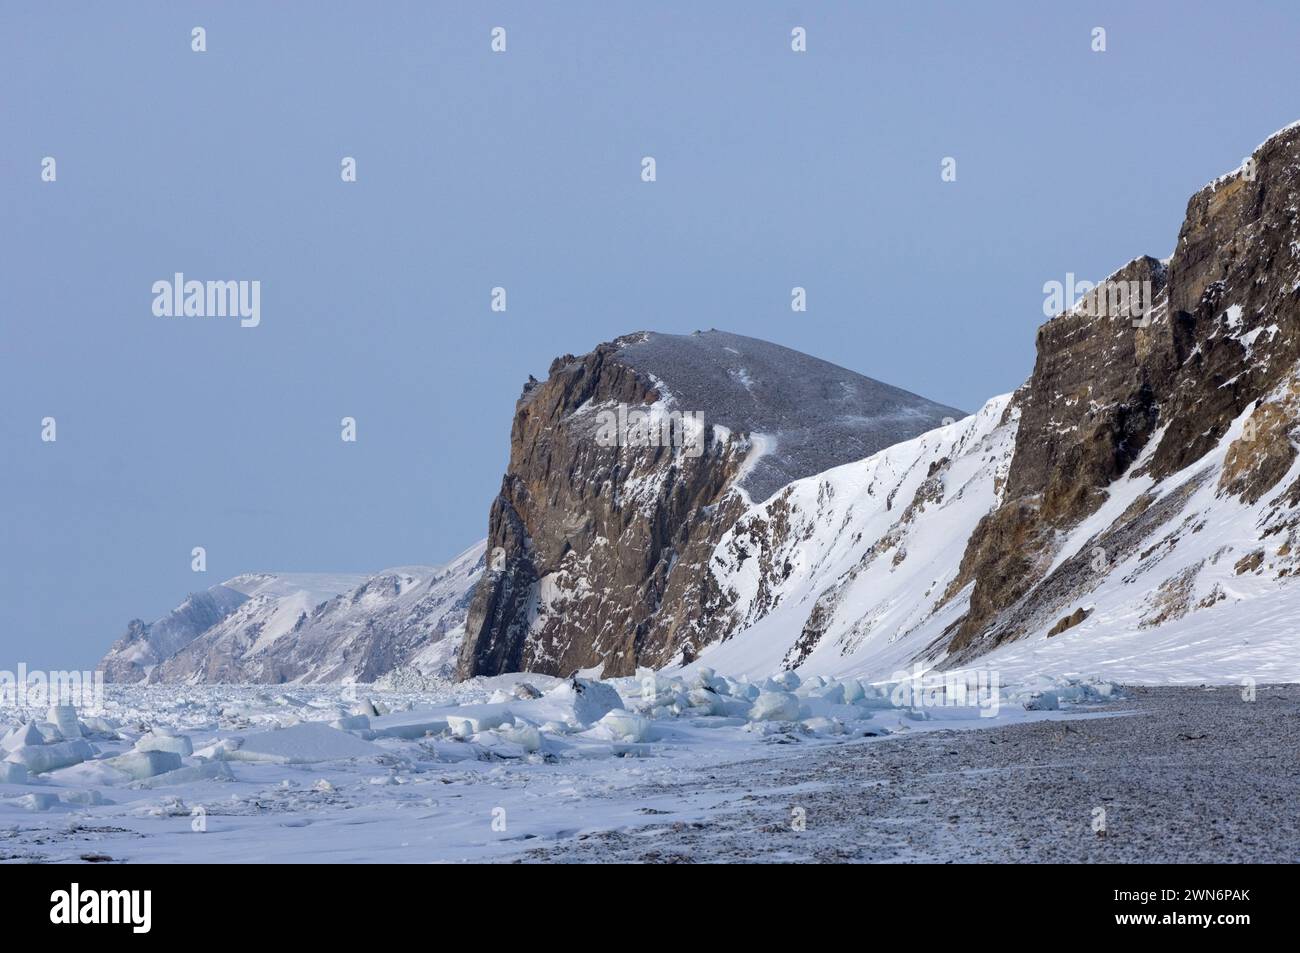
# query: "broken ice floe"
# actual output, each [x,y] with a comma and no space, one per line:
[160,752]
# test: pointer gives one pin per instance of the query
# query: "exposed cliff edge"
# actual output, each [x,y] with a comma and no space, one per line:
[1138,495]
[598,541]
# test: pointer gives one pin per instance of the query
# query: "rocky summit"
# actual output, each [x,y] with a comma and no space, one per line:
[1142,488]
[711,497]
[599,547]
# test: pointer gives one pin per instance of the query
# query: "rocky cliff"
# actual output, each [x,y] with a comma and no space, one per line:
[1222,336]
[674,499]
[1139,494]
[612,505]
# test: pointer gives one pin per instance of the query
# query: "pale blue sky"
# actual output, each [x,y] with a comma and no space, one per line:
[476,169]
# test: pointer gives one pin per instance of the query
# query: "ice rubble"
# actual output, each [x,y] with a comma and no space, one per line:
[247,751]
[306,743]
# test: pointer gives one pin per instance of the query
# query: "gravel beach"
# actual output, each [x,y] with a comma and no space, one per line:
[1182,775]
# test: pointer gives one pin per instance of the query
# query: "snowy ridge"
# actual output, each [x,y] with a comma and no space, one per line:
[1199,586]
[308,627]
[1205,596]
[849,571]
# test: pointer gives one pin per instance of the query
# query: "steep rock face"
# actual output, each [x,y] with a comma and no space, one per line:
[597,551]
[1133,509]
[1223,334]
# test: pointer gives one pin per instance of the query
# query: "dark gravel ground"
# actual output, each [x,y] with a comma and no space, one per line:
[1183,775]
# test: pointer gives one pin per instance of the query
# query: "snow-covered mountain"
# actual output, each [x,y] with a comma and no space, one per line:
[310,627]
[1144,479]
[604,528]
[1131,511]
[132,657]
[852,569]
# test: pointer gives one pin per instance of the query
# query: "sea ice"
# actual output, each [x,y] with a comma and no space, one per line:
[64,717]
[775,706]
[38,759]
[305,743]
[22,736]
[138,765]
[163,740]
[620,725]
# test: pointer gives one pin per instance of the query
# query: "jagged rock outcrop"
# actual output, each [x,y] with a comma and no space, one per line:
[1223,334]
[1146,478]
[303,627]
[132,657]
[598,544]
[1136,499]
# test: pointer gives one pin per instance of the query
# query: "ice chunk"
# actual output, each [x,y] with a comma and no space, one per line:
[589,700]
[620,725]
[64,717]
[97,725]
[708,678]
[1043,701]
[524,691]
[305,743]
[705,699]
[163,740]
[139,765]
[774,706]
[220,749]
[208,771]
[824,726]
[833,692]
[874,697]
[12,773]
[87,798]
[526,736]
[24,736]
[37,802]
[472,719]
[408,725]
[38,759]
[352,723]
[782,681]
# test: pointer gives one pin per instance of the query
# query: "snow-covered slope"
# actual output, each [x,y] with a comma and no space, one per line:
[399,617]
[604,541]
[1133,512]
[268,603]
[850,571]
[308,627]
[132,657]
